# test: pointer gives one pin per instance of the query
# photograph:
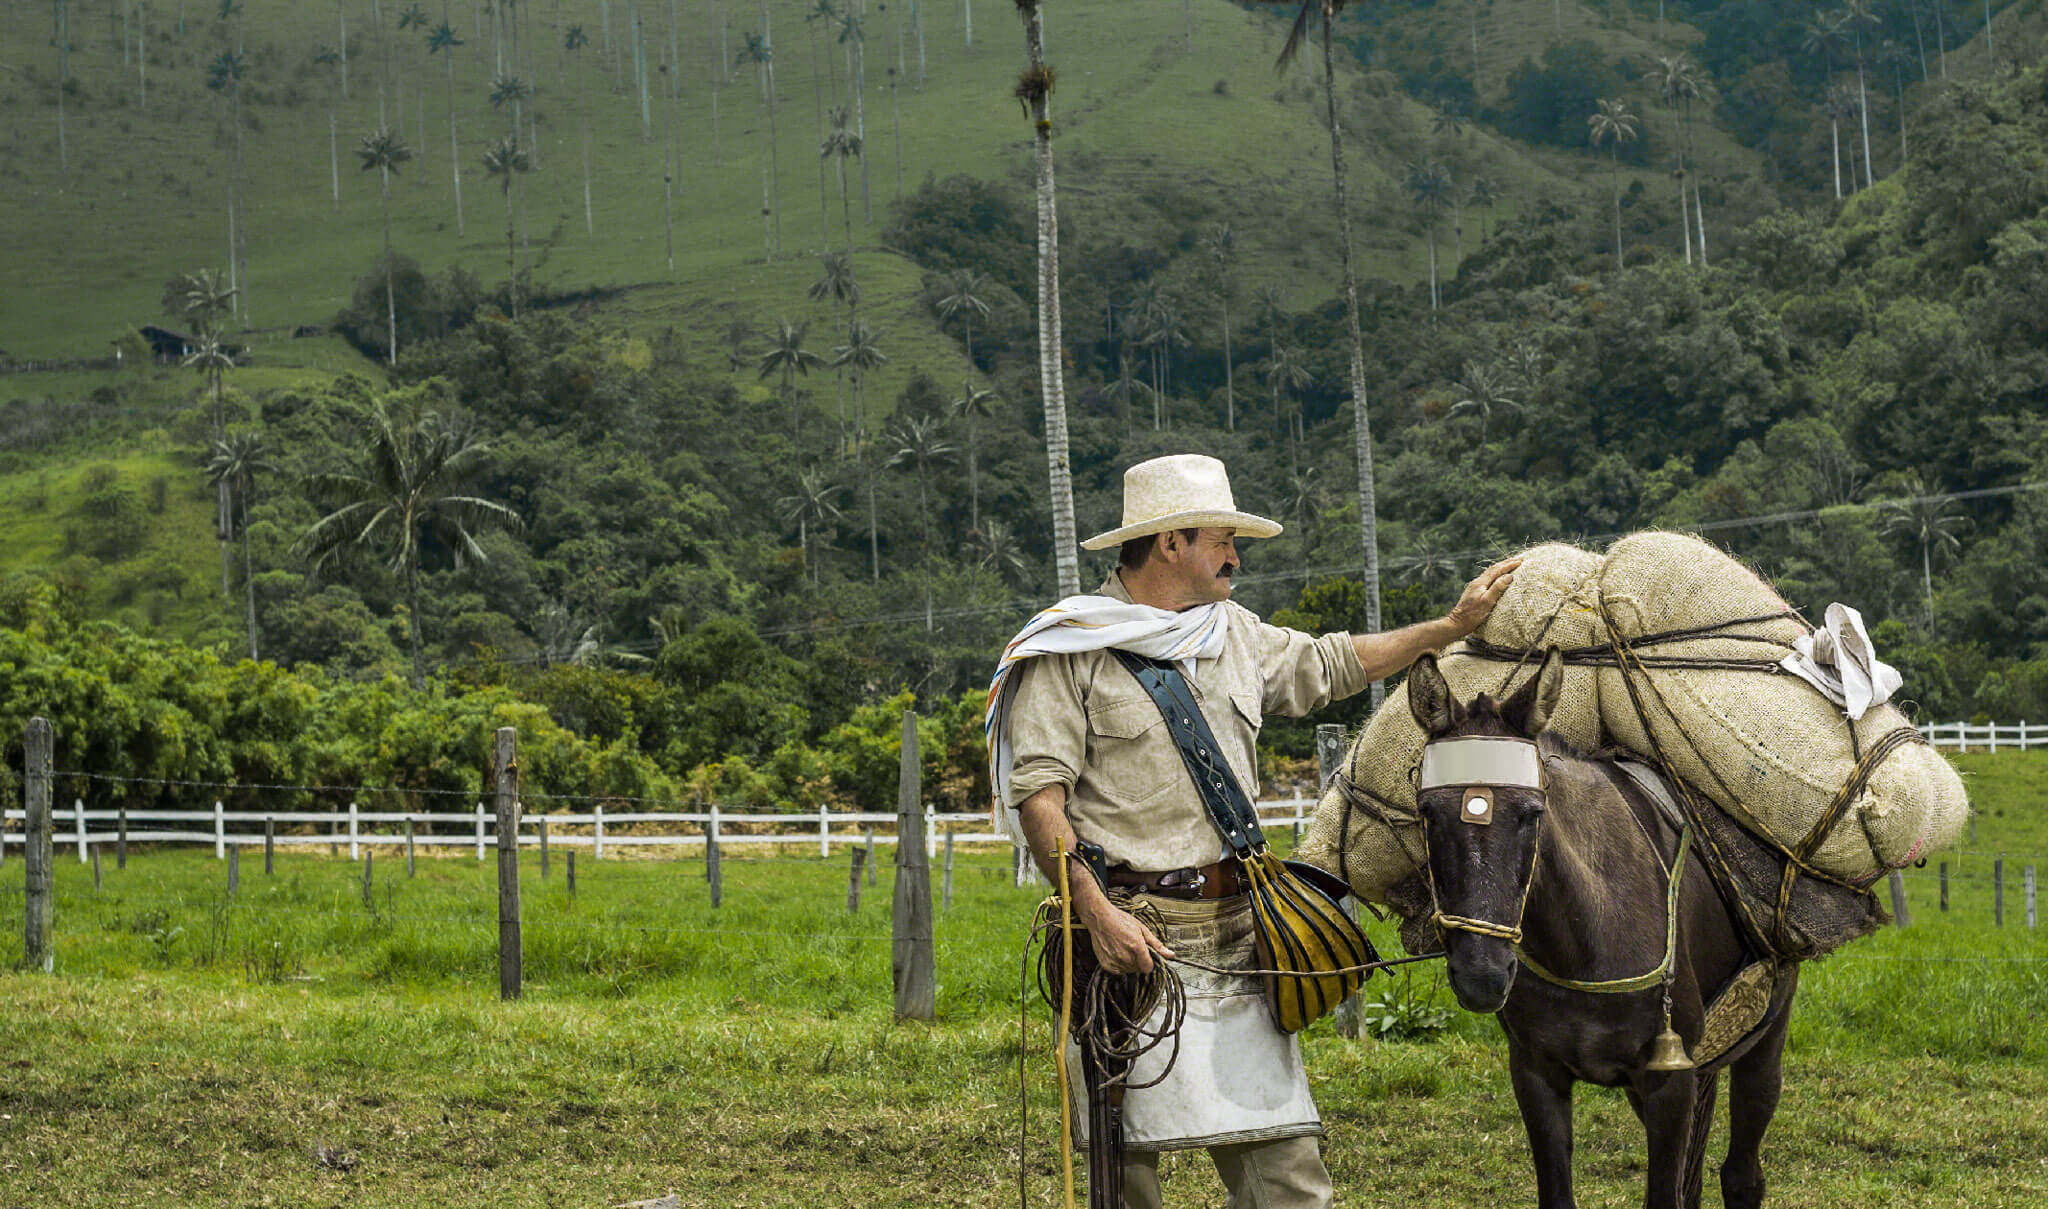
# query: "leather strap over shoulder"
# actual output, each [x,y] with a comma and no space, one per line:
[1224,799]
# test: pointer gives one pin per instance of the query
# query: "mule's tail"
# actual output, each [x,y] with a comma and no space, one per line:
[1702,1125]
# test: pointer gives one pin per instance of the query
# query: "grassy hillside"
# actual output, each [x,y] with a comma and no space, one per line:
[1140,112]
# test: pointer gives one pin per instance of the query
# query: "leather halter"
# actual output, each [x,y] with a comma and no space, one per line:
[1487,764]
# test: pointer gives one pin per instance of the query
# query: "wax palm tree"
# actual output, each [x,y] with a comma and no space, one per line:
[383,151]
[1483,194]
[1923,514]
[996,548]
[812,506]
[413,486]
[414,18]
[853,36]
[1163,332]
[973,404]
[211,359]
[1612,123]
[1368,514]
[1482,392]
[1220,243]
[1429,189]
[443,42]
[1286,372]
[1034,94]
[861,448]
[858,356]
[840,142]
[224,76]
[919,445]
[761,53]
[1855,16]
[962,299]
[1680,82]
[836,283]
[233,465]
[787,357]
[205,298]
[1305,507]
[1839,103]
[1898,57]
[507,161]
[327,56]
[1427,563]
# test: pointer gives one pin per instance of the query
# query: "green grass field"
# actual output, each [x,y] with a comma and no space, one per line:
[289,1045]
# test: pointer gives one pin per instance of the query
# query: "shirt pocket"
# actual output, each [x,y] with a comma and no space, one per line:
[1132,759]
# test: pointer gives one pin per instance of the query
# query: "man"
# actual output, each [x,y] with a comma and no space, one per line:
[1080,752]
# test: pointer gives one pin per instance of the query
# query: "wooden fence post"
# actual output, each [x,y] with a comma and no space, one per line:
[220,832]
[869,836]
[540,823]
[2029,880]
[121,840]
[234,869]
[570,856]
[1998,891]
[1944,887]
[597,833]
[269,846]
[479,832]
[505,777]
[78,820]
[714,860]
[1329,760]
[1900,916]
[913,967]
[355,847]
[334,837]
[36,848]
[369,863]
[860,857]
[96,869]
[824,832]
[949,872]
[409,870]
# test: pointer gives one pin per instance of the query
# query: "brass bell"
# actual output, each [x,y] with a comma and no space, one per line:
[1668,1052]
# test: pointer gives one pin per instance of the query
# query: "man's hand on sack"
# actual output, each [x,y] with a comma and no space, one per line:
[1475,605]
[1122,944]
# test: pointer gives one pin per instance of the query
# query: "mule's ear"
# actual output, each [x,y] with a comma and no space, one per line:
[1530,709]
[1429,698]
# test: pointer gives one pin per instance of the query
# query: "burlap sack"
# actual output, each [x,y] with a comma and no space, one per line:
[1373,843]
[1769,749]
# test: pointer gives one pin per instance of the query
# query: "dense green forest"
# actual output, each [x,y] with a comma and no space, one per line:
[711,549]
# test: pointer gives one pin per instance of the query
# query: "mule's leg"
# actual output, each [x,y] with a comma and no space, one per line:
[1544,1092]
[1664,1103]
[1754,1081]
[1696,1144]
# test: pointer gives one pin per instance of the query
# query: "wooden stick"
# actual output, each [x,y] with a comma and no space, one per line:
[1944,886]
[121,840]
[913,966]
[369,862]
[505,778]
[1900,915]
[234,868]
[948,883]
[36,846]
[860,858]
[269,847]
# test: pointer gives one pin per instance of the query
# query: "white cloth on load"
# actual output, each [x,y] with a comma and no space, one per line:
[1838,660]
[1090,623]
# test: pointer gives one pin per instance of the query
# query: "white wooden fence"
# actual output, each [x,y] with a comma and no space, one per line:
[598,829]
[1991,736]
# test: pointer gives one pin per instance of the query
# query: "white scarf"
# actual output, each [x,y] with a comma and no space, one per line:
[1089,623]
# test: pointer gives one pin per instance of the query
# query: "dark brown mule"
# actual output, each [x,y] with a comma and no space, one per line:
[1577,868]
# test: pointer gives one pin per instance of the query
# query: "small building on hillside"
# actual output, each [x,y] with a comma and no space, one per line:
[169,347]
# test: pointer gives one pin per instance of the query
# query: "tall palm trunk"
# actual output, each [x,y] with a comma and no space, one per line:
[1863,109]
[1051,383]
[1615,152]
[1229,370]
[860,118]
[334,156]
[1835,151]
[248,574]
[412,622]
[390,303]
[1368,516]
[454,145]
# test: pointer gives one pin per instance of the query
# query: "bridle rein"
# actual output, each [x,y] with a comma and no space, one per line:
[1478,768]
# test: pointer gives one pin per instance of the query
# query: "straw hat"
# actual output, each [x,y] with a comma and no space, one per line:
[1179,491]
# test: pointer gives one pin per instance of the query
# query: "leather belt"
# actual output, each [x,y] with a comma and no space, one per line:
[1220,880]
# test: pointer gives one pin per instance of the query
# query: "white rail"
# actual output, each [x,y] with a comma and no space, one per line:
[1987,736]
[84,828]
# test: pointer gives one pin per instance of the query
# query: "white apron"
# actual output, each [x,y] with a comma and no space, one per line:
[1236,1078]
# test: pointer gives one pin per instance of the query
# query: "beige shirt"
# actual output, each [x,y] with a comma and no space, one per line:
[1082,721]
